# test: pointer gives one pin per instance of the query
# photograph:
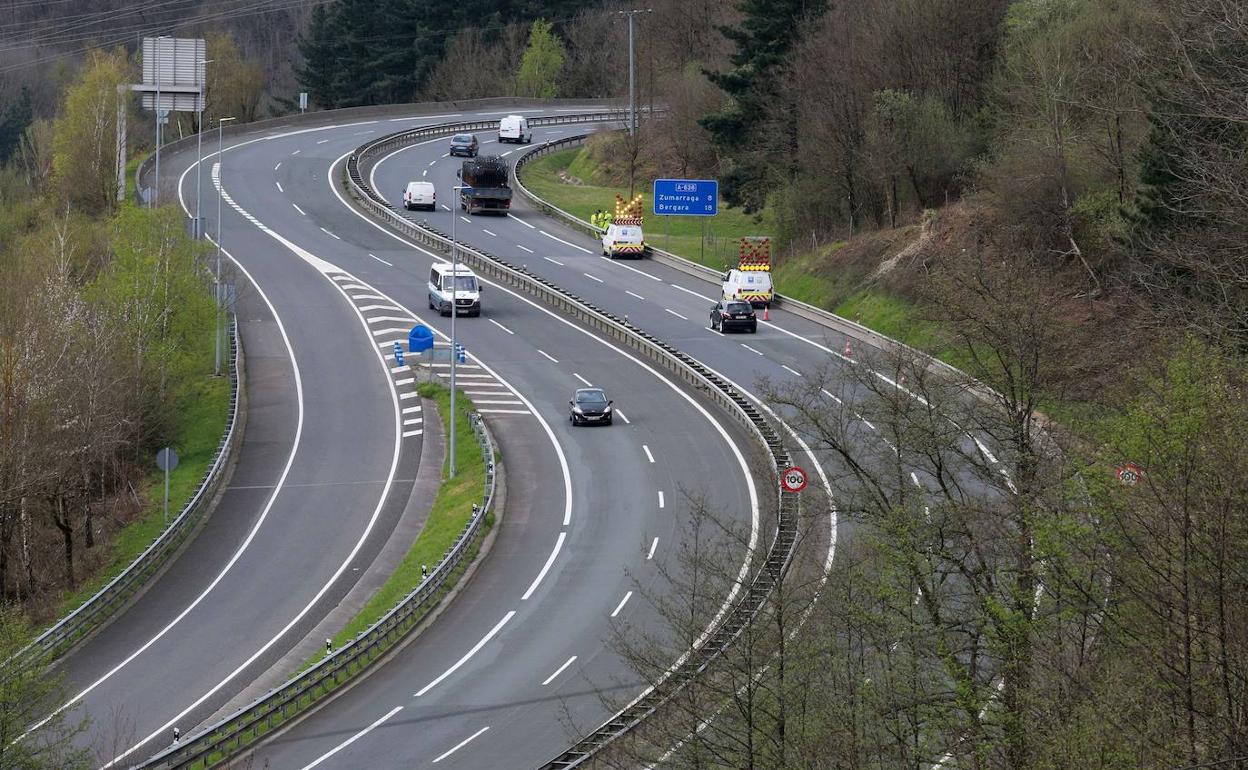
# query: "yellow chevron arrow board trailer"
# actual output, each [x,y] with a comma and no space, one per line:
[750,280]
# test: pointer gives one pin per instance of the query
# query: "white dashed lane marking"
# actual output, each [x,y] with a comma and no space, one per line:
[552,259]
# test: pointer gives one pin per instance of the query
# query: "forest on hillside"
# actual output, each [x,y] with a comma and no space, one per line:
[1072,179]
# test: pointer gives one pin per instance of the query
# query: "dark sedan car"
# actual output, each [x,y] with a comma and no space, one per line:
[465,144]
[729,315]
[589,406]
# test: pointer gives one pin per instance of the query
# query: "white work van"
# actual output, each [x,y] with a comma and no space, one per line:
[420,195]
[514,128]
[456,284]
[623,241]
[752,286]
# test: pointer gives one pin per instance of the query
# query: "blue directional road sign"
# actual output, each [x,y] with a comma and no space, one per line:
[686,197]
[398,353]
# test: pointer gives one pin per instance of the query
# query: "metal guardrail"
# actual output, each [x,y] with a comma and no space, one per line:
[805,310]
[717,639]
[234,733]
[95,611]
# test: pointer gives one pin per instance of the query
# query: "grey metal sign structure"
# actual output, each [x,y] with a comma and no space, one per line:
[173,74]
[173,81]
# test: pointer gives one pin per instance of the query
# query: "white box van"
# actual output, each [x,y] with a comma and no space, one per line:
[420,195]
[623,241]
[456,284]
[514,128]
[752,286]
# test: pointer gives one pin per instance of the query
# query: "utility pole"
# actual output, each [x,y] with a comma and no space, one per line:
[632,71]
[216,326]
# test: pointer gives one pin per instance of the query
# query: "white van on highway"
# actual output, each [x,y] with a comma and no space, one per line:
[514,128]
[419,195]
[456,284]
[623,240]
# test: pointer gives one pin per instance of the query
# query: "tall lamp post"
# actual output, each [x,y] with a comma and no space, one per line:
[216,328]
[454,312]
[199,144]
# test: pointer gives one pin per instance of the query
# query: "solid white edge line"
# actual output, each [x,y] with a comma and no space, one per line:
[460,745]
[352,739]
[467,655]
[559,671]
[620,606]
[550,560]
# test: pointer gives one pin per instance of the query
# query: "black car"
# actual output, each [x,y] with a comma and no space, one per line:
[589,406]
[731,314]
[465,144]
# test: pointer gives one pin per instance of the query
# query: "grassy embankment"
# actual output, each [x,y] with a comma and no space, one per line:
[204,408]
[795,277]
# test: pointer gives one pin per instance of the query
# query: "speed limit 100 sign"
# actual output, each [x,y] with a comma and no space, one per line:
[793,479]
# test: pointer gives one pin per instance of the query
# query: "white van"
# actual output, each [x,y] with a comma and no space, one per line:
[623,241]
[420,195]
[752,286]
[458,284]
[514,128]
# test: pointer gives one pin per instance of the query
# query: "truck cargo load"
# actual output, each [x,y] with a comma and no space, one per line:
[487,185]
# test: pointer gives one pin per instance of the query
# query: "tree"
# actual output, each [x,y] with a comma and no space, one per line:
[763,40]
[542,62]
[85,134]
[235,84]
[27,695]
[17,118]
[318,47]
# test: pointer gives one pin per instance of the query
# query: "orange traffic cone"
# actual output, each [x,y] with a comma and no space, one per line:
[849,349]
[766,312]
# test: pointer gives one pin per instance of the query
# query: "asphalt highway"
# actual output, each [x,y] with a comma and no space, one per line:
[591,514]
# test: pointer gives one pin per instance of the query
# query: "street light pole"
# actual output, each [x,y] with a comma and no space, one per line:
[199,153]
[454,312]
[216,326]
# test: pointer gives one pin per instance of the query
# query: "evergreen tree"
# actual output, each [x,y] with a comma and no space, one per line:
[318,46]
[763,40]
[16,120]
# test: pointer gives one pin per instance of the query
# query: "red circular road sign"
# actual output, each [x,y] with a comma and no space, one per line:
[1129,474]
[793,479]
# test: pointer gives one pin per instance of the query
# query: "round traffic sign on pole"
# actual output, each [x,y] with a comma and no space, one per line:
[793,479]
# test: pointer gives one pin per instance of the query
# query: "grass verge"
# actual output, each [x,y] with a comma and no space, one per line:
[679,235]
[204,407]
